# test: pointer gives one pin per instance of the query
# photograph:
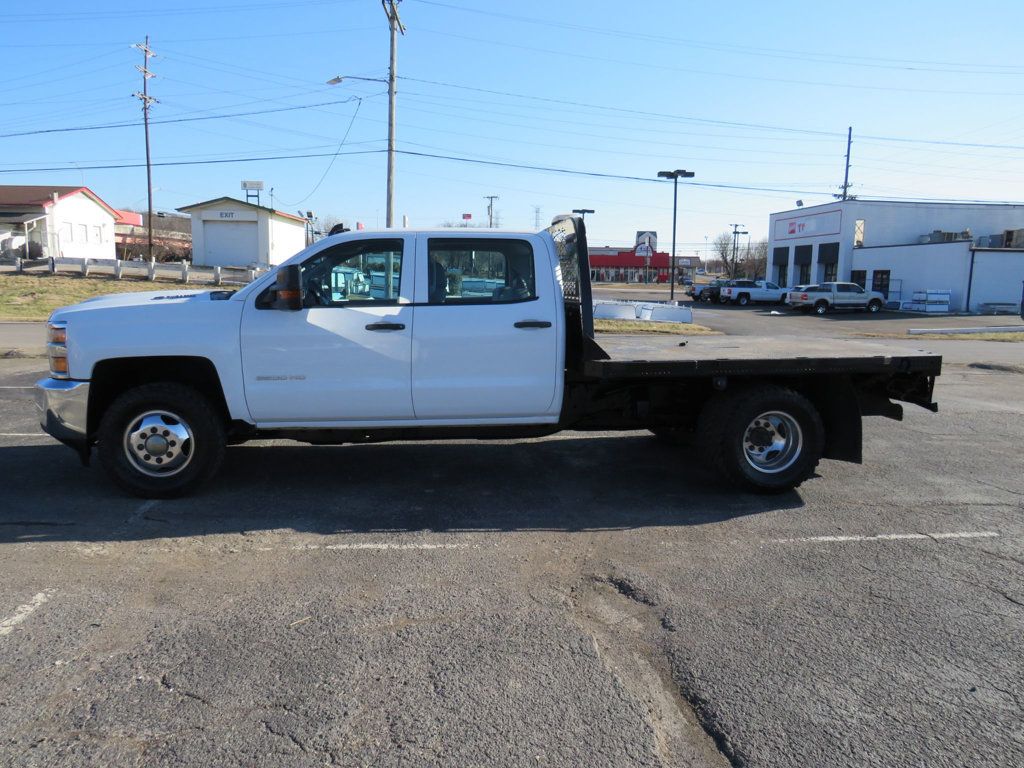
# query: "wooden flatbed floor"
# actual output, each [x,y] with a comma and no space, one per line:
[656,356]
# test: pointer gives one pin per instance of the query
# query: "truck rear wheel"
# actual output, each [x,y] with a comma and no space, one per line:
[874,306]
[161,440]
[766,439]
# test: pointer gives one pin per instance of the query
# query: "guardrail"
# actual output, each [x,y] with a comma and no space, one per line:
[180,272]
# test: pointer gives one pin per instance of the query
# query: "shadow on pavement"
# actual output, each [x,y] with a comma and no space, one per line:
[579,483]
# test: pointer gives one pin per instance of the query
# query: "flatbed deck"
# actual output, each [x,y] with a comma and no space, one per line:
[668,356]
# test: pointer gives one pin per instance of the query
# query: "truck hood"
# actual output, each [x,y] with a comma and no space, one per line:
[143,298]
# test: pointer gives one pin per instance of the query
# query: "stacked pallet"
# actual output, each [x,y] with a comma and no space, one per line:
[931,301]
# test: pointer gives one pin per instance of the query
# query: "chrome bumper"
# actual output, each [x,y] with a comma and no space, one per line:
[63,408]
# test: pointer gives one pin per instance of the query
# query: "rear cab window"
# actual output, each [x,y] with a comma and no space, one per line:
[479,271]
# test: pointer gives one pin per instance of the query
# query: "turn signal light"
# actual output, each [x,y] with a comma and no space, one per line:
[58,334]
[58,365]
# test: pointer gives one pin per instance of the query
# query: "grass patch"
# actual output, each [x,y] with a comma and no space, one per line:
[643,326]
[34,297]
[1007,337]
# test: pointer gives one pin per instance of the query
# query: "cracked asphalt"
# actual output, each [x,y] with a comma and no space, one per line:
[585,599]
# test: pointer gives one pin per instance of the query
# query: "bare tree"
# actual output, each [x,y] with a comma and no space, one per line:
[722,247]
[754,260]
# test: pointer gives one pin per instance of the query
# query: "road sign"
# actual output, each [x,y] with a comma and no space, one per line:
[647,237]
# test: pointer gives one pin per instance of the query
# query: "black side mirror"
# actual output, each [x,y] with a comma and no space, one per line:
[288,288]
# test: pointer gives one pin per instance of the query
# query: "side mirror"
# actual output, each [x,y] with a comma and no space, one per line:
[289,288]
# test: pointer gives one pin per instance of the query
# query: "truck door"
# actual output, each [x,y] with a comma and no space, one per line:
[485,343]
[346,355]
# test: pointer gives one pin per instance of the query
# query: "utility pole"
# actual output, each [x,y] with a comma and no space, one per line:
[490,208]
[147,100]
[395,23]
[536,217]
[736,232]
[846,173]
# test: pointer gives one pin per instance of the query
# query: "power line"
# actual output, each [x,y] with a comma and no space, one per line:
[104,126]
[359,103]
[830,57]
[516,166]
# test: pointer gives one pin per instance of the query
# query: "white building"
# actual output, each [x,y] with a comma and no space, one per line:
[231,233]
[55,221]
[903,248]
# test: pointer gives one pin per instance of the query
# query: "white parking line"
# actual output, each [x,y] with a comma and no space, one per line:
[380,545]
[23,434]
[889,537]
[24,611]
[10,387]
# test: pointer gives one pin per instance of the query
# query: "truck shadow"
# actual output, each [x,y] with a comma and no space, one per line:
[568,483]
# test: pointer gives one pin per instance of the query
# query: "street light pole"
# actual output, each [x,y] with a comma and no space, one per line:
[675,176]
[583,212]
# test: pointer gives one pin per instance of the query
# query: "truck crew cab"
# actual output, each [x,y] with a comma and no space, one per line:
[403,335]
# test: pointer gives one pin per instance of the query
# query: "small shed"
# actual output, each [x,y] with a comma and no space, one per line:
[233,233]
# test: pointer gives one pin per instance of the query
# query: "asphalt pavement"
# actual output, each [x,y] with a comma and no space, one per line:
[583,599]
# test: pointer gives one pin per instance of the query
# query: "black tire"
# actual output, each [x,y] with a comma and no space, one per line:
[743,300]
[673,435]
[821,308]
[874,306]
[204,446]
[725,424]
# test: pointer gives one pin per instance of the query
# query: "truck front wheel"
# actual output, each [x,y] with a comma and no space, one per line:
[821,308]
[160,440]
[766,439]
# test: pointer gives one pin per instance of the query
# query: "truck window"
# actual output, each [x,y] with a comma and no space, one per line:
[479,271]
[356,271]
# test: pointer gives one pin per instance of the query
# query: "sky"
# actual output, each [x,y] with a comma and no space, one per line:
[548,104]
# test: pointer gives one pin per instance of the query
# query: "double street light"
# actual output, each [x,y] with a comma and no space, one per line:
[675,176]
[583,212]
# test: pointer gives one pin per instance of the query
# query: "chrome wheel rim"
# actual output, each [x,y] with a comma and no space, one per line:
[159,443]
[772,442]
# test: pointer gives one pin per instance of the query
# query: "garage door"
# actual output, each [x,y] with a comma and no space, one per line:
[230,244]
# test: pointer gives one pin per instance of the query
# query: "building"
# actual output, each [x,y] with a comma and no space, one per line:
[49,221]
[903,249]
[616,265]
[232,233]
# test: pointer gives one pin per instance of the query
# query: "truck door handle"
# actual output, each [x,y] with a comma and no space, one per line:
[386,327]
[533,324]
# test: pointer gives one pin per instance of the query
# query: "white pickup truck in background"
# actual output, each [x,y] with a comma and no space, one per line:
[745,292]
[403,335]
[828,296]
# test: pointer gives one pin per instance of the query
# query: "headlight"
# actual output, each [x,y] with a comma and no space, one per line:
[57,349]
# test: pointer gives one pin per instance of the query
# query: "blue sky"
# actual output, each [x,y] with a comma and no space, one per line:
[752,96]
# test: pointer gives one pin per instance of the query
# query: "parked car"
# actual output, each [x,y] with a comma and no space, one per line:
[709,291]
[828,296]
[744,292]
[796,289]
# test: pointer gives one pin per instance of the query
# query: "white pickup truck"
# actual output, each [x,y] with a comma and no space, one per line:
[745,292]
[825,297]
[402,335]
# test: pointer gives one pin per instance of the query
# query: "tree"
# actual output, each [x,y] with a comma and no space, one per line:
[722,247]
[755,260]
